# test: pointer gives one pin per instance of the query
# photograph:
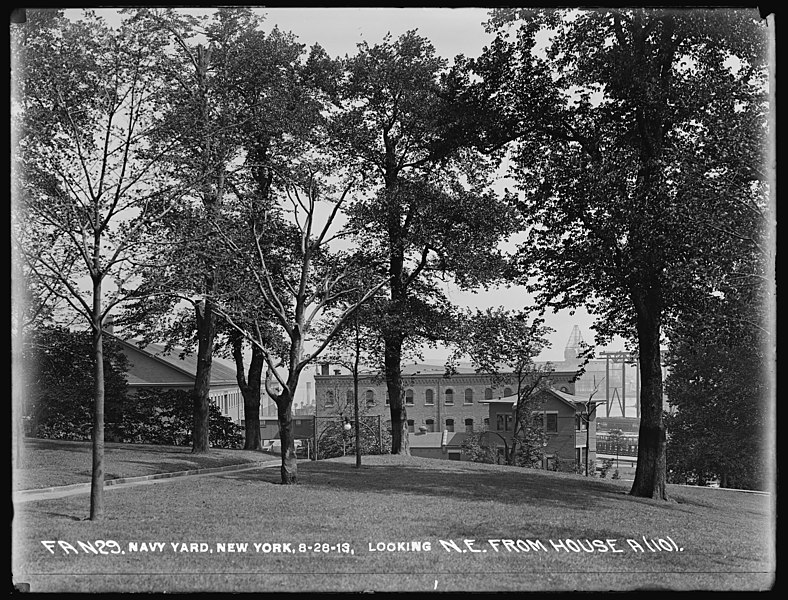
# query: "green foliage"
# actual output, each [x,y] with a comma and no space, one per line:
[476,448]
[165,417]
[718,387]
[59,382]
[334,440]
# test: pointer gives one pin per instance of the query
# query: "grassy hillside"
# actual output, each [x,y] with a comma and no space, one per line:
[398,524]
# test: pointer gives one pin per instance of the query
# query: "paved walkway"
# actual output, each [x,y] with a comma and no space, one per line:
[84,488]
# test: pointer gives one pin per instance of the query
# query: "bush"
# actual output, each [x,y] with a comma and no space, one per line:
[59,382]
[165,417]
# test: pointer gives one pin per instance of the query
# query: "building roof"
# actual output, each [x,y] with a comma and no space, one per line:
[184,367]
[569,399]
[436,439]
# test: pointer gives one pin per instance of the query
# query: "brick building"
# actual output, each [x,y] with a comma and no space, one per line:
[432,400]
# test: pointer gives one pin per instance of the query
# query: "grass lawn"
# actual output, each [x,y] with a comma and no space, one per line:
[48,463]
[724,540]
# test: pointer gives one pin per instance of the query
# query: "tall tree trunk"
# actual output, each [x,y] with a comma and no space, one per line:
[399,416]
[356,419]
[284,405]
[650,475]
[206,332]
[97,435]
[250,389]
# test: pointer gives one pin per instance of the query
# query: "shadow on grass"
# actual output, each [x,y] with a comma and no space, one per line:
[478,485]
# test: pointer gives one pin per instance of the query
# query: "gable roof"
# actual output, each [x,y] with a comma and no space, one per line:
[222,372]
[569,399]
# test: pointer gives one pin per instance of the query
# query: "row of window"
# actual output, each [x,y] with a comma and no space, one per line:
[430,425]
[545,420]
[227,402]
[429,396]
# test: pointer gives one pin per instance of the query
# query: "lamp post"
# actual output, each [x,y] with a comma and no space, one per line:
[346,427]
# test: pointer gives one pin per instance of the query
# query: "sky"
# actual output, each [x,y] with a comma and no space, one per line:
[452,31]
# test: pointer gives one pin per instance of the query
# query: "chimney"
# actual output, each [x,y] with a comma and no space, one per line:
[109,325]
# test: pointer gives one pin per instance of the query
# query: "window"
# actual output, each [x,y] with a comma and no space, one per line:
[455,456]
[329,398]
[564,389]
[580,423]
[551,422]
[488,393]
[410,426]
[298,421]
[468,425]
[387,397]
[349,396]
[538,420]
[504,422]
[507,391]
[468,396]
[429,397]
[370,397]
[430,425]
[449,396]
[486,423]
[449,424]
[409,397]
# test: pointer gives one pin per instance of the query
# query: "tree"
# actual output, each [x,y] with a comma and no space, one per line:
[89,184]
[637,131]
[308,285]
[503,344]
[241,109]
[718,383]
[355,345]
[428,213]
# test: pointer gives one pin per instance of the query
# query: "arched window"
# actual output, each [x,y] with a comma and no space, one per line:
[370,397]
[507,391]
[468,425]
[486,423]
[429,397]
[564,389]
[488,393]
[449,424]
[409,397]
[468,396]
[430,425]
[329,398]
[349,396]
[450,396]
